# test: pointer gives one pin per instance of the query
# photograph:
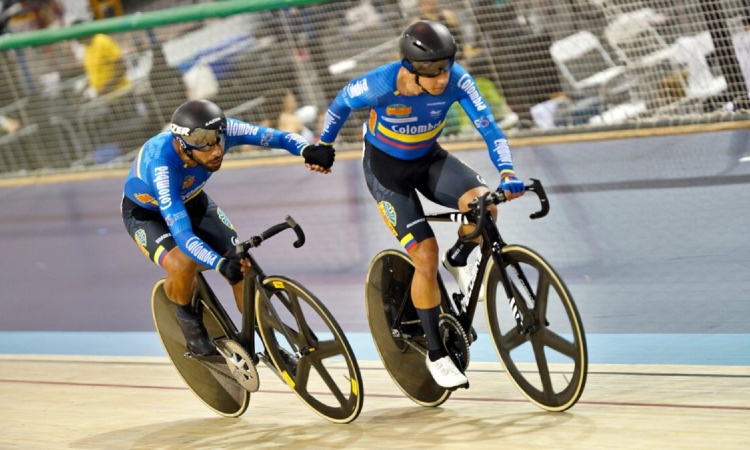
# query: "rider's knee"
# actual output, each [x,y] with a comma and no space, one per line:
[425,257]
[179,265]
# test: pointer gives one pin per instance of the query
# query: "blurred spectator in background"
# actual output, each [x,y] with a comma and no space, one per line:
[431,10]
[8,125]
[8,9]
[283,115]
[18,16]
[105,67]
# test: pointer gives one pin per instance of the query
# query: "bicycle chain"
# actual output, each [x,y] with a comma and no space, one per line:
[211,367]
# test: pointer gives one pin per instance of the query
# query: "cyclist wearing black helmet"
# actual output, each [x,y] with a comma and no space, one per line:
[408,102]
[171,218]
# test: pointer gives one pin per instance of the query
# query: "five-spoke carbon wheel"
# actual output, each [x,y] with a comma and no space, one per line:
[549,363]
[295,323]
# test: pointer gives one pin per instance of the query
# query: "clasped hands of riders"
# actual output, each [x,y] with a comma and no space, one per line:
[320,158]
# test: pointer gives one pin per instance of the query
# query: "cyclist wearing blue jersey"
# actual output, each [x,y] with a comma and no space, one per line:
[408,102]
[174,221]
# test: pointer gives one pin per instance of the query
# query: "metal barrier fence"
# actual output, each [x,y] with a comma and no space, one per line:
[545,68]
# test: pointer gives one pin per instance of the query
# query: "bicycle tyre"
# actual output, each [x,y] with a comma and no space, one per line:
[538,386]
[388,284]
[219,394]
[320,366]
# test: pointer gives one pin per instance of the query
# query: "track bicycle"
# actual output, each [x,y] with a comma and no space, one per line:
[530,315]
[303,344]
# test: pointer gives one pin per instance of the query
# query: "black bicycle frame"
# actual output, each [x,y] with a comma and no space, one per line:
[492,246]
[253,283]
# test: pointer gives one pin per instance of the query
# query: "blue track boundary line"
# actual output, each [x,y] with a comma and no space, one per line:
[687,349]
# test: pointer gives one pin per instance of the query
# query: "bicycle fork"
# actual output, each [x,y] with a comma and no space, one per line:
[514,304]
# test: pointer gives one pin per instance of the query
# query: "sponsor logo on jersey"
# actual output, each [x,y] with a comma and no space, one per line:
[298,140]
[482,122]
[415,129]
[357,88]
[200,252]
[389,216]
[140,239]
[239,129]
[502,151]
[192,192]
[399,119]
[436,113]
[169,220]
[436,104]
[398,110]
[265,140]
[467,84]
[161,179]
[190,179]
[145,198]
[224,219]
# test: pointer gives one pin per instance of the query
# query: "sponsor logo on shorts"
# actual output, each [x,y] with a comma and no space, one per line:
[389,216]
[224,219]
[162,237]
[140,239]
[409,225]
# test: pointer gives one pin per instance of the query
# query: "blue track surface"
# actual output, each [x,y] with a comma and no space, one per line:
[691,349]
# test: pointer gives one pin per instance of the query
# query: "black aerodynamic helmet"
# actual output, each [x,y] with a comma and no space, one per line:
[198,125]
[427,48]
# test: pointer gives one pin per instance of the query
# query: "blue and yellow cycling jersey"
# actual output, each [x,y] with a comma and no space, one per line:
[160,181]
[406,127]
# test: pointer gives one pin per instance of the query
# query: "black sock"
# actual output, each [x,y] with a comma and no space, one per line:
[459,253]
[186,312]
[430,322]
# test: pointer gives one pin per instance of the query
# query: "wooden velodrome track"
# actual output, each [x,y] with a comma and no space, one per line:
[96,402]
[53,402]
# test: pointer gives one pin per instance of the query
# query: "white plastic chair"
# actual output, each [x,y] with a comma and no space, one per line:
[585,52]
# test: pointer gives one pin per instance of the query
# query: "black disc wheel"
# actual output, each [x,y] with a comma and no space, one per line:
[209,379]
[388,291]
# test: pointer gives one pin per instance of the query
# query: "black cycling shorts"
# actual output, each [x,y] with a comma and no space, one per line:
[151,233]
[439,176]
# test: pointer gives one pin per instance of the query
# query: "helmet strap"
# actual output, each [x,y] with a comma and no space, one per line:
[424,91]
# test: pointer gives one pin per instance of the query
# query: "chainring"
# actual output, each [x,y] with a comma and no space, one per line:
[455,341]
[240,364]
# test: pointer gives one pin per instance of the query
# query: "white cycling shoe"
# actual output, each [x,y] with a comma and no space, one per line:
[462,275]
[445,373]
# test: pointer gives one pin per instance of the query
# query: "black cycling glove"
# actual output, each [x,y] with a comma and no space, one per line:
[319,155]
[231,268]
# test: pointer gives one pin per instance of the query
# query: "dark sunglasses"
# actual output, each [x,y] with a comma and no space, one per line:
[202,136]
[430,69]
